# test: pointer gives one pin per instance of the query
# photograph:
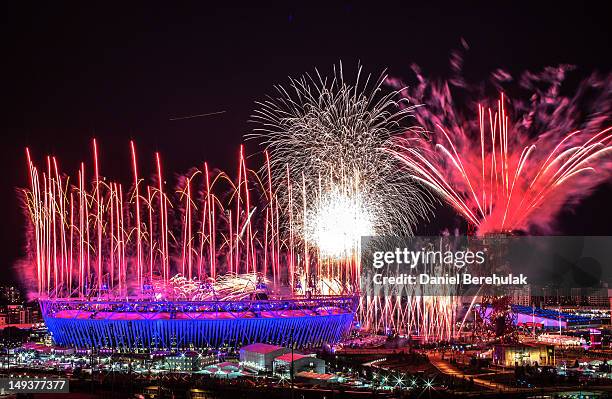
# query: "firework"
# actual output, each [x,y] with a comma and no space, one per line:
[102,238]
[227,287]
[326,137]
[503,174]
[506,174]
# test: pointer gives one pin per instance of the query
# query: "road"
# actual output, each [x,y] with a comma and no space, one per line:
[448,369]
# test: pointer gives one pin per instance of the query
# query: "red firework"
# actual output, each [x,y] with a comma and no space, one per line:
[505,175]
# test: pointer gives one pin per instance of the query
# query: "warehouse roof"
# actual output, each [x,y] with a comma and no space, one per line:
[287,357]
[261,348]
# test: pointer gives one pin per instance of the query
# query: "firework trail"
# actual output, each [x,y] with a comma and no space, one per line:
[328,136]
[513,165]
[100,238]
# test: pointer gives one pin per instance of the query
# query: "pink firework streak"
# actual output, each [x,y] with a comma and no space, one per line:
[506,175]
[98,238]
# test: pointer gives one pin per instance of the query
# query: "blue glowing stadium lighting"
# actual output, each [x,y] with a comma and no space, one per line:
[142,324]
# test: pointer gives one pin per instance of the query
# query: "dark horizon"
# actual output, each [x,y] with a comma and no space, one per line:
[72,74]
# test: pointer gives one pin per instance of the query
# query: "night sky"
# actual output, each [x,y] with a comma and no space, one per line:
[69,74]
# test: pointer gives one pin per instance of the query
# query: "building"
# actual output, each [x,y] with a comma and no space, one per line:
[550,318]
[565,341]
[16,314]
[282,364]
[523,355]
[598,297]
[35,315]
[188,361]
[301,323]
[316,378]
[10,295]
[20,314]
[520,295]
[225,370]
[260,356]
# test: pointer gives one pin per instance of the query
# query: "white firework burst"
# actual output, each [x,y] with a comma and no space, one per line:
[326,141]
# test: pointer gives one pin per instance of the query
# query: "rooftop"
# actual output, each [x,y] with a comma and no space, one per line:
[287,357]
[224,365]
[261,348]
[552,314]
[315,376]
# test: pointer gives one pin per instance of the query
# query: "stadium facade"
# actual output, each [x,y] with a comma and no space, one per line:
[132,325]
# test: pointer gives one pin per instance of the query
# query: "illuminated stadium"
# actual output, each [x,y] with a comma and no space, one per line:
[303,322]
[207,263]
[550,318]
